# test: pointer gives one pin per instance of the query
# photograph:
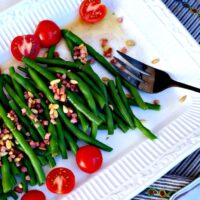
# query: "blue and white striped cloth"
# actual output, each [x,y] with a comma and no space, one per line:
[189,169]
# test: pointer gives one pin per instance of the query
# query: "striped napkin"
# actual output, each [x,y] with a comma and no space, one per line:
[188,12]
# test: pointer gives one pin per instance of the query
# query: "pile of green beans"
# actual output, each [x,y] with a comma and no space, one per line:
[98,105]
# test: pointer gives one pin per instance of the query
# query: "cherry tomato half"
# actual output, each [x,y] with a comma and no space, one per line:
[48,33]
[89,158]
[25,45]
[92,11]
[33,195]
[60,180]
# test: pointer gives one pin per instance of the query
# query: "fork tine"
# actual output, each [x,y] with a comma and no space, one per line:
[131,69]
[128,76]
[136,65]
[128,70]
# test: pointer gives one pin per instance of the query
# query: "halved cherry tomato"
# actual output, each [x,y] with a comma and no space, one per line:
[48,33]
[89,158]
[60,180]
[33,195]
[92,11]
[25,45]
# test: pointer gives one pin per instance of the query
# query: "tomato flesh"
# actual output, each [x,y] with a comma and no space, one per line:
[89,158]
[25,45]
[33,195]
[92,11]
[60,180]
[48,33]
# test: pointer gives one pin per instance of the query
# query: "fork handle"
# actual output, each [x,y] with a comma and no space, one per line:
[183,85]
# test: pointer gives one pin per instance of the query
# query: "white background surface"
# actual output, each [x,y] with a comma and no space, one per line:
[4,4]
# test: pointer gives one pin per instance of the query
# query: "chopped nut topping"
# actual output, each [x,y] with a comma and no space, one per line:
[8,144]
[54,82]
[130,43]
[5,137]
[65,109]
[183,98]
[34,111]
[30,94]
[73,82]
[155,61]
[111,107]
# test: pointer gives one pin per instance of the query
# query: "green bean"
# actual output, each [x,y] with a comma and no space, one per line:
[38,68]
[73,129]
[42,160]
[2,94]
[71,36]
[8,180]
[70,46]
[61,139]
[138,123]
[123,97]
[22,142]
[81,107]
[116,110]
[42,152]
[109,121]
[7,78]
[135,94]
[17,172]
[51,51]
[144,130]
[18,89]
[51,161]
[84,89]
[120,123]
[55,61]
[22,69]
[71,142]
[58,70]
[83,120]
[89,82]
[87,68]
[13,195]
[99,99]
[150,106]
[119,104]
[88,96]
[29,113]
[26,123]
[105,127]
[95,95]
[53,140]
[28,86]
[31,172]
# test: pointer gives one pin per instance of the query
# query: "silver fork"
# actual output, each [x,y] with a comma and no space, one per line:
[145,77]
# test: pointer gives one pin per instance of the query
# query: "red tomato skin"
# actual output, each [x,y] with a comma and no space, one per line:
[48,33]
[25,45]
[95,15]
[89,158]
[60,180]
[33,195]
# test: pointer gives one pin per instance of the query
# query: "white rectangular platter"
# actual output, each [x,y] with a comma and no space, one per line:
[135,162]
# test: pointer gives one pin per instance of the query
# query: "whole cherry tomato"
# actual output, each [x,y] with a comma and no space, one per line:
[33,195]
[89,158]
[48,33]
